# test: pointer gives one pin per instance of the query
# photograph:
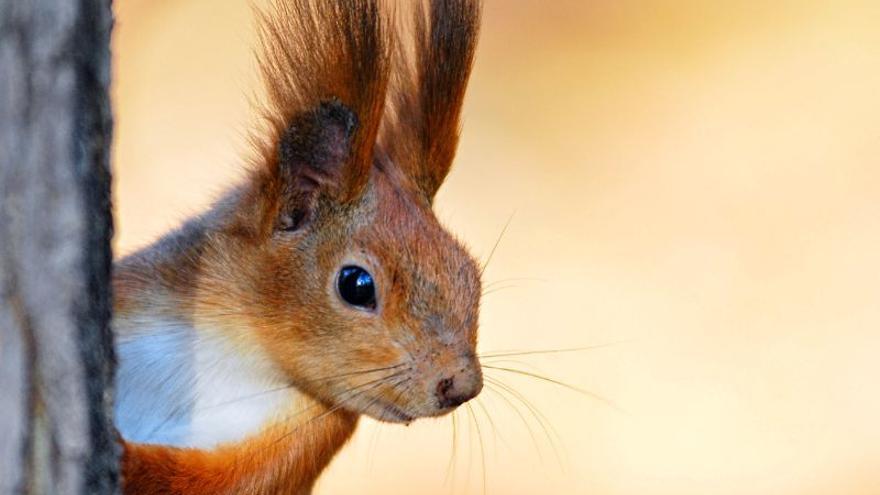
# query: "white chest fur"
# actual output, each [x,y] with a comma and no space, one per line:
[187,388]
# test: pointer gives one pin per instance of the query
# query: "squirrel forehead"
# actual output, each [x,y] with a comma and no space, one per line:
[404,235]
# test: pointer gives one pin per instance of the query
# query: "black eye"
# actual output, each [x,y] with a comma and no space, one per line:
[356,287]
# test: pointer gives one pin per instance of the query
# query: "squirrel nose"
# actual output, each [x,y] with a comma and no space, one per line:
[457,389]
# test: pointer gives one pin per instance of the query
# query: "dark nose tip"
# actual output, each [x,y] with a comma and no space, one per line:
[452,392]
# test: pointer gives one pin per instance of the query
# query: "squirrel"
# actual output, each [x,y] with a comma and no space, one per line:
[321,288]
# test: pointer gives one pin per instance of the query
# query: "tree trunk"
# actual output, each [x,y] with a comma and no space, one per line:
[56,355]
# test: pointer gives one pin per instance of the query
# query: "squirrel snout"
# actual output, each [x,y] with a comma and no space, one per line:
[458,388]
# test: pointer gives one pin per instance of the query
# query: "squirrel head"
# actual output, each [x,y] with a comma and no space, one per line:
[331,254]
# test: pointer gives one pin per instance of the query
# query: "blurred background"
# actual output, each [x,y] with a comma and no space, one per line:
[695,183]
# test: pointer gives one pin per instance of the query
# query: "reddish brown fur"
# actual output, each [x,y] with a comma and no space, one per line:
[261,265]
[249,468]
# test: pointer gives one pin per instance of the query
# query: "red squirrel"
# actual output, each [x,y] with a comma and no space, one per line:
[323,287]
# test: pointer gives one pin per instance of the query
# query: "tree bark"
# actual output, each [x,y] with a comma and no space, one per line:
[56,354]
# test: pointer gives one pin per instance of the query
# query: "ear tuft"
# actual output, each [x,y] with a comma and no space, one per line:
[420,132]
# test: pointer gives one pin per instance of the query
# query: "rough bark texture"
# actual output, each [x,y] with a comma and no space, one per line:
[56,356]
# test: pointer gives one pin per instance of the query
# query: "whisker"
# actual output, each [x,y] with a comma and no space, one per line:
[450,466]
[536,376]
[513,279]
[371,449]
[402,392]
[553,351]
[248,397]
[470,439]
[378,428]
[492,388]
[399,393]
[372,402]
[352,393]
[377,381]
[482,448]
[540,418]
[291,386]
[499,361]
[497,289]
[495,434]
[362,372]
[497,242]
[340,405]
[174,416]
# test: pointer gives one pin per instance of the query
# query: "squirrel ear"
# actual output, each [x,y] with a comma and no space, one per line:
[325,69]
[314,159]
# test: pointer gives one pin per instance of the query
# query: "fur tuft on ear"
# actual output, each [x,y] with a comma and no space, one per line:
[325,66]
[423,119]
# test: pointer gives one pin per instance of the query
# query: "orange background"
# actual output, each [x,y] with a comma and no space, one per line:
[697,181]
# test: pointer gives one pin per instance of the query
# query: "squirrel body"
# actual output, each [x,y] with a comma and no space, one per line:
[252,338]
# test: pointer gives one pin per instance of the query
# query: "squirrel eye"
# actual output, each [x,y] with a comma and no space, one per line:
[356,287]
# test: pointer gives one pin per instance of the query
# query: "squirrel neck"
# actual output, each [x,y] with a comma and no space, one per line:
[196,398]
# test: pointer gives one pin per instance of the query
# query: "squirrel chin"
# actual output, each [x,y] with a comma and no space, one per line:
[389,413]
